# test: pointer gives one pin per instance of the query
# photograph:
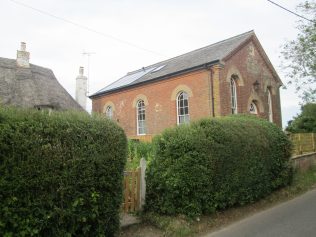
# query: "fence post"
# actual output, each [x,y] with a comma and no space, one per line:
[126,193]
[142,183]
[313,141]
[300,144]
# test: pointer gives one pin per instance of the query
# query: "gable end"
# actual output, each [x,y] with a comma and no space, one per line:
[261,52]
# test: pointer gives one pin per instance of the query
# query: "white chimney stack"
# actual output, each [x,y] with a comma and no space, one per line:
[23,57]
[81,88]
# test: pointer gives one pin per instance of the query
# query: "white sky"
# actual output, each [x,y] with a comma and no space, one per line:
[168,27]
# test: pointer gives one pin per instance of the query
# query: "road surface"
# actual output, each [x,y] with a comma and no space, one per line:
[295,218]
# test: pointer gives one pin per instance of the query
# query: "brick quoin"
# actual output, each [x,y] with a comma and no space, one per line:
[248,64]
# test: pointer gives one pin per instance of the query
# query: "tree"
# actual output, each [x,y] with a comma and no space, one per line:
[300,55]
[304,122]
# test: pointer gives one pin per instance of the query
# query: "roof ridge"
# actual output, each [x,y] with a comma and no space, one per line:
[6,58]
[207,46]
[32,66]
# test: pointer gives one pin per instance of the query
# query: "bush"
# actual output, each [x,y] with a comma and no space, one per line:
[138,150]
[304,122]
[61,175]
[216,163]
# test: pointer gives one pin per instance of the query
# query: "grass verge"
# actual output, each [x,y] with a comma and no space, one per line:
[181,226]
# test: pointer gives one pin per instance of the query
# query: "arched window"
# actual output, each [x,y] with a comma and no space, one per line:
[253,108]
[109,112]
[270,106]
[183,108]
[141,118]
[233,91]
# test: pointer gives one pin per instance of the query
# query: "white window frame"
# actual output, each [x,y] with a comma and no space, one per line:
[141,123]
[270,109]
[109,112]
[255,111]
[233,96]
[185,116]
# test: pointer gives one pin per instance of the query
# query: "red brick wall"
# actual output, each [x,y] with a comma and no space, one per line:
[161,113]
[250,66]
[161,109]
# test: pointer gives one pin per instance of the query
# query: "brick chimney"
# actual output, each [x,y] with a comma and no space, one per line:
[23,57]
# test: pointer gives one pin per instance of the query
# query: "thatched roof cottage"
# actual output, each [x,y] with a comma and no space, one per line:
[30,86]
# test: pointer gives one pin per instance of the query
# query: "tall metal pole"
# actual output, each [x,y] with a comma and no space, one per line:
[88,54]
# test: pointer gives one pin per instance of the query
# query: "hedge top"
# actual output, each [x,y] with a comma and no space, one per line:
[215,163]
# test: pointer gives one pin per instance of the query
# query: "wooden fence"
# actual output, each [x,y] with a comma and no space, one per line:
[134,188]
[303,143]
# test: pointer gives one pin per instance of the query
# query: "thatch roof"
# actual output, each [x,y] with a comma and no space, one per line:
[33,87]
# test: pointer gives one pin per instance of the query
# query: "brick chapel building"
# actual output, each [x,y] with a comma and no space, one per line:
[233,76]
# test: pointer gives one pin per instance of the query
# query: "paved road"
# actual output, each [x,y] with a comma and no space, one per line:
[295,218]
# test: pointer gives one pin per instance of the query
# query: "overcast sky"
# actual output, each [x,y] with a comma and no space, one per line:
[126,35]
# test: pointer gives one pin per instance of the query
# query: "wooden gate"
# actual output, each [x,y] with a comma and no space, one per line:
[131,200]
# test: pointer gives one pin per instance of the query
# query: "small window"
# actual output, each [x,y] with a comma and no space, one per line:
[109,112]
[253,108]
[270,106]
[233,91]
[141,118]
[183,108]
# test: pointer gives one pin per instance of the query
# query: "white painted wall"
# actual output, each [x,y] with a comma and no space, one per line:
[81,88]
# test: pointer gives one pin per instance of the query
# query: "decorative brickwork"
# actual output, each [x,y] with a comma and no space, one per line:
[250,65]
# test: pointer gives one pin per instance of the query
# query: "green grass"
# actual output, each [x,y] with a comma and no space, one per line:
[303,181]
[181,226]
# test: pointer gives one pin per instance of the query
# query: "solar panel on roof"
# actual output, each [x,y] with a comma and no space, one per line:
[158,68]
[128,79]
[210,54]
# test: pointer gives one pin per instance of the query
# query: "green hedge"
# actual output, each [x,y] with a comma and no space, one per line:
[61,175]
[216,163]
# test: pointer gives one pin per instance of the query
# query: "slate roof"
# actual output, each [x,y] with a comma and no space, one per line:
[32,87]
[211,54]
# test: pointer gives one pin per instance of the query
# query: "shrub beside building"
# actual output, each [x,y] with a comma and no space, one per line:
[216,163]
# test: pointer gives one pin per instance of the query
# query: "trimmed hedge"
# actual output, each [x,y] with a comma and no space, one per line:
[216,163]
[61,175]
